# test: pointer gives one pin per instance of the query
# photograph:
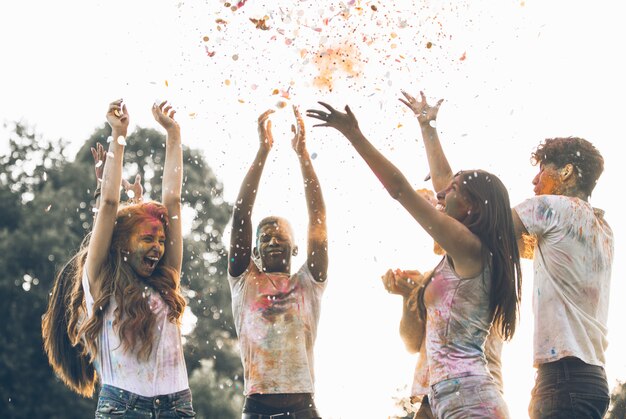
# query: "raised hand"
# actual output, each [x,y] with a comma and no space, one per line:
[424,112]
[134,191]
[265,130]
[118,118]
[99,158]
[345,123]
[298,142]
[164,115]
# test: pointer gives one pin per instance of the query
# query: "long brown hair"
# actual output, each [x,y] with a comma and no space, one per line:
[58,329]
[133,319]
[492,221]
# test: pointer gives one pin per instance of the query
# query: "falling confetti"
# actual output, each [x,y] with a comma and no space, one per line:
[260,23]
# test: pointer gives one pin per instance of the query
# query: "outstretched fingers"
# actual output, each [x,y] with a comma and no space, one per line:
[265,115]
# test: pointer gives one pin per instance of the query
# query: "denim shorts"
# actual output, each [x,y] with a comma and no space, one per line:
[569,389]
[474,396]
[115,403]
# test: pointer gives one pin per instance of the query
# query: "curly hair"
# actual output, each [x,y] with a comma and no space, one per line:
[133,319]
[587,161]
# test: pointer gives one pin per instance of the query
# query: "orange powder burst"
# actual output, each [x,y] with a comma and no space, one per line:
[331,61]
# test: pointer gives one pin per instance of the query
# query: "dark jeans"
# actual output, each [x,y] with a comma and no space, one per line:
[300,405]
[116,403]
[569,389]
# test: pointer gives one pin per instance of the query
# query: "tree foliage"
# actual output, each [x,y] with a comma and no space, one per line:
[618,402]
[46,210]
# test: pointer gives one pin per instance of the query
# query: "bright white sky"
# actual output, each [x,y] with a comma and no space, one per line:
[512,73]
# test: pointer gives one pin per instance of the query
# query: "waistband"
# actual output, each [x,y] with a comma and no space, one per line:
[164,401]
[308,413]
[569,363]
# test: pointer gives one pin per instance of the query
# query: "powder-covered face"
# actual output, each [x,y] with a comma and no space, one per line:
[146,247]
[548,181]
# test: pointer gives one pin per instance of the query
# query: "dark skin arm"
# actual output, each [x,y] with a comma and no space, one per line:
[241,236]
[317,244]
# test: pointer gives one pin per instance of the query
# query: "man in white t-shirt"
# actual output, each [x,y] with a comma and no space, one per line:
[573,255]
[276,313]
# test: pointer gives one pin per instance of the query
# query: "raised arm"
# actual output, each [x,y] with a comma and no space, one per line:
[440,171]
[100,242]
[317,240]
[99,158]
[241,234]
[172,184]
[458,241]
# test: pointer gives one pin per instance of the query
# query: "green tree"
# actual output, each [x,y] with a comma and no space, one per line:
[45,211]
[618,402]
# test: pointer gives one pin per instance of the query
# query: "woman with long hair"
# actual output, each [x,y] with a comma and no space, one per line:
[125,306]
[477,282]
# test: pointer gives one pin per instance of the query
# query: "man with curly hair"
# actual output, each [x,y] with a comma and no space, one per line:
[573,256]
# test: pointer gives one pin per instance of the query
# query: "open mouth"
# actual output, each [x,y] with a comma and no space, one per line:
[440,207]
[151,261]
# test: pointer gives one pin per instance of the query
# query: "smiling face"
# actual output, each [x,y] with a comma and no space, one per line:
[146,247]
[452,202]
[275,246]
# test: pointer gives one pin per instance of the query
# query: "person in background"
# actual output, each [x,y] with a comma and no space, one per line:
[276,312]
[573,258]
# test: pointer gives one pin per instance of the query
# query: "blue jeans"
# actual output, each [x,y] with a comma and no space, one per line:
[474,396]
[114,403]
[569,389]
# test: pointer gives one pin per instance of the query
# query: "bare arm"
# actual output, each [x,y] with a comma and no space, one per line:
[172,184]
[404,283]
[100,241]
[317,241]
[241,234]
[458,241]
[440,171]
[525,241]
[99,158]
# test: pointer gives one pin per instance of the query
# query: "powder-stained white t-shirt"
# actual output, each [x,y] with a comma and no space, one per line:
[164,371]
[276,317]
[572,278]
